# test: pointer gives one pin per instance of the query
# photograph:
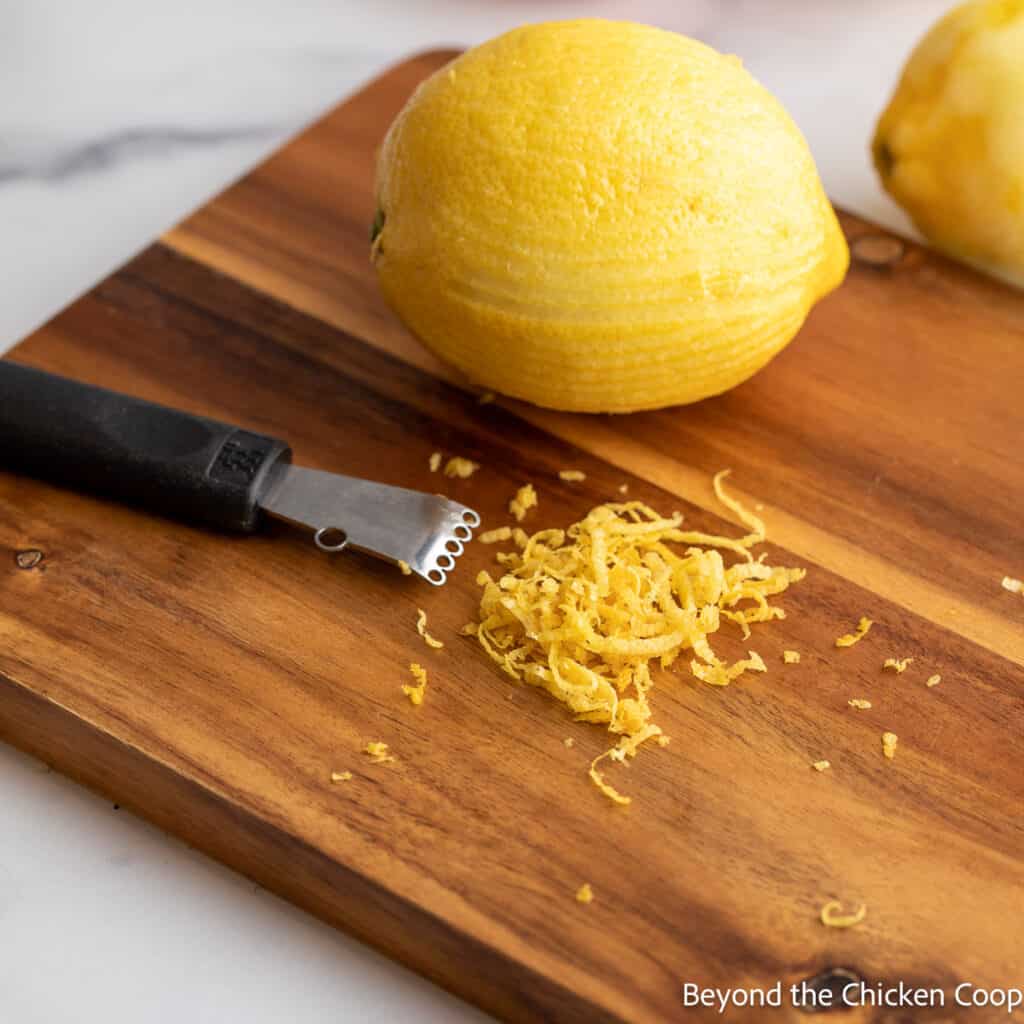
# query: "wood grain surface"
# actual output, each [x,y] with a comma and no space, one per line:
[213,683]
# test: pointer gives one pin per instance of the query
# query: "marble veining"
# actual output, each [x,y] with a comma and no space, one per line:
[62,163]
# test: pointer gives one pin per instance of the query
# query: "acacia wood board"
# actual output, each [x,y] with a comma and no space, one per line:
[213,683]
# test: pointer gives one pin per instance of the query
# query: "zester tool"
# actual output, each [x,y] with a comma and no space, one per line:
[201,471]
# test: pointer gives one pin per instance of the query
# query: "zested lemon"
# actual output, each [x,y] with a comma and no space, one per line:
[950,145]
[601,216]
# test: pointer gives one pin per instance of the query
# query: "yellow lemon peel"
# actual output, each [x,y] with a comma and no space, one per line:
[496,536]
[457,466]
[421,628]
[525,499]
[859,703]
[791,657]
[897,665]
[584,894]
[933,680]
[404,568]
[832,916]
[415,693]
[435,462]
[1014,586]
[889,741]
[572,475]
[863,628]
[340,776]
[378,752]
[821,766]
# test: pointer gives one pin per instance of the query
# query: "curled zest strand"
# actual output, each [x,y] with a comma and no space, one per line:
[832,916]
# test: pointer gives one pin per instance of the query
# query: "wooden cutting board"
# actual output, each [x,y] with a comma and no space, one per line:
[213,683]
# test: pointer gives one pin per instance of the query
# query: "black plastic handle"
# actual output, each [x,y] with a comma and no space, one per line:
[170,462]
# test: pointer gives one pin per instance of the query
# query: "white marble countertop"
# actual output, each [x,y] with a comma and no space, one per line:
[117,119]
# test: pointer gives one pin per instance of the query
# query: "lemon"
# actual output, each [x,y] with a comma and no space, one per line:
[601,216]
[950,146]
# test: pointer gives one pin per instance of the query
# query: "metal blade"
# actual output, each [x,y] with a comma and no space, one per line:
[426,531]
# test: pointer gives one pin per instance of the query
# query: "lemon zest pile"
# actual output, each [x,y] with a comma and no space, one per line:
[851,638]
[791,657]
[572,475]
[933,680]
[889,741]
[460,467]
[898,665]
[415,693]
[857,702]
[435,462]
[584,894]
[1014,586]
[378,752]
[821,766]
[587,612]
[421,628]
[525,499]
[832,918]
[496,536]
[340,776]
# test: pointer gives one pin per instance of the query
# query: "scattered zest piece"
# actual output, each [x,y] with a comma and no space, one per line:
[1014,586]
[933,680]
[404,566]
[340,776]
[572,475]
[832,916]
[723,675]
[569,741]
[748,519]
[589,613]
[415,693]
[821,766]
[584,894]
[851,638]
[791,657]
[889,741]
[378,752]
[524,500]
[863,705]
[435,462]
[496,536]
[486,398]
[623,488]
[626,747]
[460,467]
[469,629]
[898,665]
[421,628]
